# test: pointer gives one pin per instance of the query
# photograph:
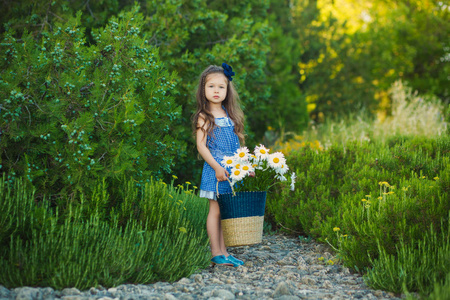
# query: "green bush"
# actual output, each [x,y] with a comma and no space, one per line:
[73,113]
[416,265]
[369,197]
[84,246]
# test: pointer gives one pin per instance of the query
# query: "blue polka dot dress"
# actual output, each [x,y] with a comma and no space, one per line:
[224,142]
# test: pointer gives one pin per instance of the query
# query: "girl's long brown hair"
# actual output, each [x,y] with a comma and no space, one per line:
[231,103]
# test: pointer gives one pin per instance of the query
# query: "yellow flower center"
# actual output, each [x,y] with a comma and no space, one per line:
[229,162]
[245,168]
[276,160]
[238,166]
[237,172]
[262,151]
[242,154]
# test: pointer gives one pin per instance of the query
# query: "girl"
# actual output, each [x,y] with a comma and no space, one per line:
[219,129]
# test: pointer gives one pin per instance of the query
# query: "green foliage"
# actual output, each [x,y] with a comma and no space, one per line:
[367,197]
[73,113]
[351,56]
[416,266]
[84,247]
[194,34]
[441,291]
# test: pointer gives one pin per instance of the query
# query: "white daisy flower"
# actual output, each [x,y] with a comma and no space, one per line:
[276,160]
[242,154]
[262,152]
[227,161]
[237,175]
[247,167]
[293,177]
[283,169]
[280,177]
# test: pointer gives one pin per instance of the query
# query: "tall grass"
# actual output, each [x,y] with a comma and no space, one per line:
[155,233]
[410,115]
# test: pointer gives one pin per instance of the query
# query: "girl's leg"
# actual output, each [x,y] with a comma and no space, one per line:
[214,230]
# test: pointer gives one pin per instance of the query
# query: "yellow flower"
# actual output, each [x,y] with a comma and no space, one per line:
[363,200]
[330,262]
[182,229]
[390,193]
[368,196]
[187,182]
[321,258]
[436,178]
[336,229]
[423,177]
[345,235]
[404,189]
[380,198]
[170,196]
[195,187]
[174,176]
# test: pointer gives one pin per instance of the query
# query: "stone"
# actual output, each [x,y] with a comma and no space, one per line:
[198,278]
[70,292]
[184,280]
[168,296]
[378,293]
[281,289]
[25,293]
[327,284]
[308,280]
[216,281]
[288,297]
[223,294]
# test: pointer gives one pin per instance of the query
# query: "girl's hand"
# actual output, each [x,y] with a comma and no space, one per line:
[222,174]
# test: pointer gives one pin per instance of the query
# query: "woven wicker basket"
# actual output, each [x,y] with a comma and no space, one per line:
[242,215]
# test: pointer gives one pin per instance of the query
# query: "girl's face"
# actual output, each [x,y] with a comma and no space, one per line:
[216,87]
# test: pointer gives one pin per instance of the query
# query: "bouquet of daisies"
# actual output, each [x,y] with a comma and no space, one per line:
[257,171]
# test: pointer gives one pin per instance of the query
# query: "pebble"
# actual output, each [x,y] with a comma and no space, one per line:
[281,267]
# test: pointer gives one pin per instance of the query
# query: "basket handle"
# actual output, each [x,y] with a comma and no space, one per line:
[217,187]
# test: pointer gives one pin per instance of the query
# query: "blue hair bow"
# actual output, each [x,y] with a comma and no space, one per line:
[228,71]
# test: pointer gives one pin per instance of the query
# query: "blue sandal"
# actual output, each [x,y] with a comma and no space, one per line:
[236,262]
[221,260]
